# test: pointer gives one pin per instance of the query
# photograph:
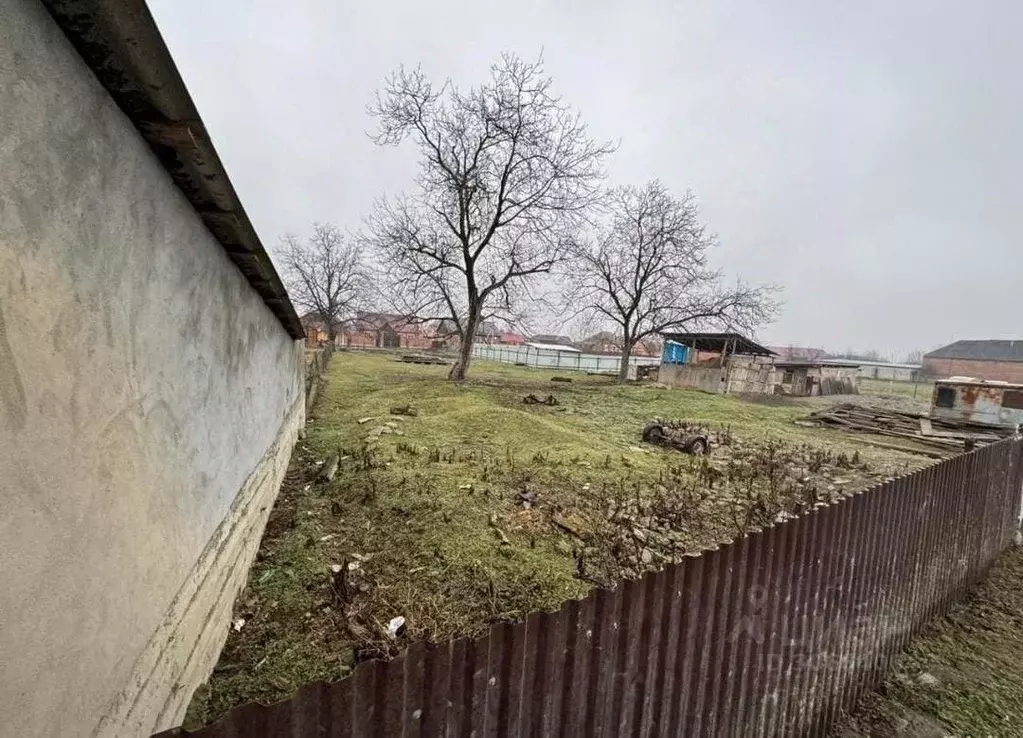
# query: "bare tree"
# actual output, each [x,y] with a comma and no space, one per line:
[644,269]
[507,174]
[325,274]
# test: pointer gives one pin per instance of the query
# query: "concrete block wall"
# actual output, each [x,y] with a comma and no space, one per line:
[692,376]
[149,400]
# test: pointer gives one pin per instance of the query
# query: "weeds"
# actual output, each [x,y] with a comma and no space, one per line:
[416,508]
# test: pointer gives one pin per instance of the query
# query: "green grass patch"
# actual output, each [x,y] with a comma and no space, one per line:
[481,508]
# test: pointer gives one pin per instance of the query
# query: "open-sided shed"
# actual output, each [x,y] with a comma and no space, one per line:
[716,362]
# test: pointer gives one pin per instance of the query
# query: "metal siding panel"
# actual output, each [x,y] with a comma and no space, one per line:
[751,637]
[820,622]
[534,675]
[691,644]
[807,583]
[603,679]
[702,643]
[630,665]
[476,668]
[577,668]
[438,660]
[775,702]
[850,611]
[763,702]
[837,607]
[667,691]
[736,635]
[651,653]
[716,671]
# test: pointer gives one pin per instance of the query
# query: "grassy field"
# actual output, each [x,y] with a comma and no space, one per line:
[480,508]
[919,392]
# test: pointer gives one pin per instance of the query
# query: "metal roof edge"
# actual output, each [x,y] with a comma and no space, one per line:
[119,41]
[748,343]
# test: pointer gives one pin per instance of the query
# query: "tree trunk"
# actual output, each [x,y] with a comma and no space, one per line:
[623,367]
[461,366]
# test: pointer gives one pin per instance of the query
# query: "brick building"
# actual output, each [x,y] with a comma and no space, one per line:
[990,360]
[385,330]
[316,330]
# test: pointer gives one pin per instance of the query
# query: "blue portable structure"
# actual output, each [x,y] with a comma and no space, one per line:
[674,353]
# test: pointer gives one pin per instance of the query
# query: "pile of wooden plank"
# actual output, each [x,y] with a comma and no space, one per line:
[944,436]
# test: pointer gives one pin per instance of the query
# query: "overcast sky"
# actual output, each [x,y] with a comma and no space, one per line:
[866,156]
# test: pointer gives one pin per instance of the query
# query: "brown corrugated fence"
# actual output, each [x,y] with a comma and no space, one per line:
[772,635]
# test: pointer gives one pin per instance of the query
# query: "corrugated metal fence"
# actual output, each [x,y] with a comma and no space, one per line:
[772,635]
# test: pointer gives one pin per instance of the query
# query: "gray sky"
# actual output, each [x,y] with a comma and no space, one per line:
[865,155]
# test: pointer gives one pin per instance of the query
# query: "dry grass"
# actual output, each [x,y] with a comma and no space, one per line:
[481,508]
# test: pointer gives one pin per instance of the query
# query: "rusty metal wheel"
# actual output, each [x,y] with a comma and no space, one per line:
[654,433]
[696,445]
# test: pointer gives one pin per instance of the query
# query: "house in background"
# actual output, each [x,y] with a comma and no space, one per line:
[991,360]
[316,330]
[386,330]
[550,338]
[716,362]
[445,335]
[798,354]
[606,342]
[603,342]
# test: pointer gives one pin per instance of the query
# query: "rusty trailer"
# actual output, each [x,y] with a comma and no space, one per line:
[977,401]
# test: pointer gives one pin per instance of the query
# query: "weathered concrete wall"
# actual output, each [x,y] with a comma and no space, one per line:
[740,374]
[148,404]
[1003,371]
[693,376]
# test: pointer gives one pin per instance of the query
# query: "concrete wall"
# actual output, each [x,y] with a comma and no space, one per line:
[692,376]
[148,404]
[1005,371]
[740,374]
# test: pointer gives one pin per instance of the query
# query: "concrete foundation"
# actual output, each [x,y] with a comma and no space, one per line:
[739,374]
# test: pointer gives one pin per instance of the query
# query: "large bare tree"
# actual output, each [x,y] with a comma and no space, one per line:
[325,274]
[644,269]
[507,174]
